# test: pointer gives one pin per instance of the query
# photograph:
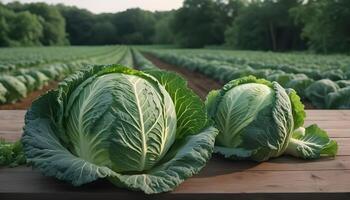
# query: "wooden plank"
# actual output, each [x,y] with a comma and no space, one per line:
[326,118]
[343,146]
[269,182]
[280,178]
[217,171]
[284,163]
[330,113]
[10,136]
[330,124]
[230,181]
[338,133]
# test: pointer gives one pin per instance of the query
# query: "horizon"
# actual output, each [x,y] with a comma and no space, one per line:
[111,6]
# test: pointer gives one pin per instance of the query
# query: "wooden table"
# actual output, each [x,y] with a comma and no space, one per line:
[282,178]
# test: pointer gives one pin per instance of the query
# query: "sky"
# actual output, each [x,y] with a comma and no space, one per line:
[100,6]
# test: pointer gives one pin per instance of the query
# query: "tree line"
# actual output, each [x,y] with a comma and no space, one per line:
[276,25]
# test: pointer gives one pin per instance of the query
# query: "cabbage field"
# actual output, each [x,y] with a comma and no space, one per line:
[24,70]
[322,80]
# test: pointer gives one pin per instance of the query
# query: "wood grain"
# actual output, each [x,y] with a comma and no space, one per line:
[280,178]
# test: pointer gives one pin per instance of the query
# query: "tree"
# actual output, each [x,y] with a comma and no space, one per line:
[4,26]
[19,29]
[103,33]
[326,24]
[26,30]
[135,26]
[266,25]
[163,33]
[79,24]
[194,23]
[54,30]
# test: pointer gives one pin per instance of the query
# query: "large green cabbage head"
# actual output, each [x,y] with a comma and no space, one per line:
[142,131]
[258,120]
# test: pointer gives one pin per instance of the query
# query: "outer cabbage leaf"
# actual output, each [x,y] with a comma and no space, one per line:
[191,115]
[186,158]
[45,150]
[297,108]
[211,101]
[311,144]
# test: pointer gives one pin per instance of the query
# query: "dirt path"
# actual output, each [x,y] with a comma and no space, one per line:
[199,83]
[27,102]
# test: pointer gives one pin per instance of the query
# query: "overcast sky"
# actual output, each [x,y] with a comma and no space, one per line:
[99,6]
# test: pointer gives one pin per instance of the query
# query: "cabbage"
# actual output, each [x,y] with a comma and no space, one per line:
[3,93]
[343,83]
[141,131]
[334,74]
[318,90]
[299,85]
[15,88]
[41,79]
[258,120]
[339,99]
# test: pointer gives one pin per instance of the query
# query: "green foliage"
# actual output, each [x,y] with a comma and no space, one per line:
[325,24]
[135,26]
[11,154]
[311,143]
[203,22]
[264,25]
[51,20]
[163,33]
[31,24]
[277,25]
[19,29]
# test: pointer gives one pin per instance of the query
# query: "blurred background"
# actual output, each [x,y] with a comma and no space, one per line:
[301,44]
[321,26]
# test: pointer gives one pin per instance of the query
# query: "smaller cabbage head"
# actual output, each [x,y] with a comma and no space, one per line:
[141,131]
[318,91]
[258,120]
